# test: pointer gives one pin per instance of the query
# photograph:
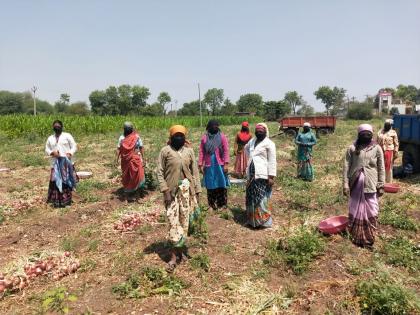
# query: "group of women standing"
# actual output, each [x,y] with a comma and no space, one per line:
[365,164]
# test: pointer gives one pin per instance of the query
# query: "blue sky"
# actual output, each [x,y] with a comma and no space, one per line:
[266,47]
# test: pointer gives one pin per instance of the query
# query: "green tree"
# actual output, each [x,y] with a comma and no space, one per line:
[41,105]
[306,110]
[97,101]
[294,100]
[228,108]
[140,95]
[124,100]
[163,99]
[274,110]
[251,102]
[155,109]
[360,111]
[407,93]
[78,108]
[213,100]
[11,103]
[333,98]
[62,105]
[190,109]
[111,107]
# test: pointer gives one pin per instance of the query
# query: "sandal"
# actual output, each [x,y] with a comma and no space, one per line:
[171,267]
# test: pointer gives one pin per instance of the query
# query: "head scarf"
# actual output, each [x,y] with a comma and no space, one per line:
[214,141]
[58,122]
[263,127]
[307,124]
[365,127]
[244,136]
[389,121]
[177,129]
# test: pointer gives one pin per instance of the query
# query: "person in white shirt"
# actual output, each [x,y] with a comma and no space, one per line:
[261,170]
[61,147]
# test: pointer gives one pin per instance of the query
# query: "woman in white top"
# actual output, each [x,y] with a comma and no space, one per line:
[262,168]
[61,147]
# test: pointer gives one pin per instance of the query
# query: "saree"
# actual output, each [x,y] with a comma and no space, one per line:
[363,212]
[389,161]
[216,182]
[305,141]
[131,164]
[241,161]
[62,182]
[178,213]
[258,194]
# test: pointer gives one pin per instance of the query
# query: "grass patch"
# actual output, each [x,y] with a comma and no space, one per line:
[87,188]
[297,250]
[400,251]
[93,245]
[57,301]
[201,261]
[87,265]
[395,215]
[383,296]
[198,227]
[150,281]
[69,244]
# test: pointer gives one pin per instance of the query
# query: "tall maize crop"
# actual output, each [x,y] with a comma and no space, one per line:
[13,126]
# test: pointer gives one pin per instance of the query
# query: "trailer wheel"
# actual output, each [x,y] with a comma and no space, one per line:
[411,155]
[291,133]
[321,132]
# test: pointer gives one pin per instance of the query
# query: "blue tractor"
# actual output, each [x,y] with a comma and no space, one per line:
[408,130]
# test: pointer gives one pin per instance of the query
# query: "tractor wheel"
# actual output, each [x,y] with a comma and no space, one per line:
[290,133]
[411,155]
[321,132]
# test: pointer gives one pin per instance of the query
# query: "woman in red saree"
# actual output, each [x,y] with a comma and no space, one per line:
[130,149]
[241,161]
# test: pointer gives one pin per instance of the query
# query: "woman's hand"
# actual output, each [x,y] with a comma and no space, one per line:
[270,181]
[346,191]
[167,198]
[226,168]
[380,191]
[201,168]
[55,154]
[68,155]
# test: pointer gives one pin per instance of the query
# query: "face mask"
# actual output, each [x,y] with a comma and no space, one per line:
[365,138]
[177,142]
[57,129]
[387,127]
[260,135]
[305,129]
[127,131]
[213,130]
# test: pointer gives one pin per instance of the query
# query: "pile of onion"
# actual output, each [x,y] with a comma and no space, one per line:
[128,222]
[55,266]
[12,283]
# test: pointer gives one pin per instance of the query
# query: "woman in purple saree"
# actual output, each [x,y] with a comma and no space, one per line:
[363,182]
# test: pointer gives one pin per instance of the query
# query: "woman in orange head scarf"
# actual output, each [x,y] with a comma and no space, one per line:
[241,161]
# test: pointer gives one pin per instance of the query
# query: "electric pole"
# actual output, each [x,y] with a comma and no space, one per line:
[199,100]
[33,89]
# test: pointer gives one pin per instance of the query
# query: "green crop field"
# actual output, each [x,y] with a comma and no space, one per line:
[23,125]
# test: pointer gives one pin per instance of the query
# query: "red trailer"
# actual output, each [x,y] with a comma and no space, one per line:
[322,124]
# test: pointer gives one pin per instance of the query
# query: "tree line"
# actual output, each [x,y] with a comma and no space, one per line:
[134,100]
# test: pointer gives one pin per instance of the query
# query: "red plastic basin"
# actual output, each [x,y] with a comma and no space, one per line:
[391,188]
[333,225]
